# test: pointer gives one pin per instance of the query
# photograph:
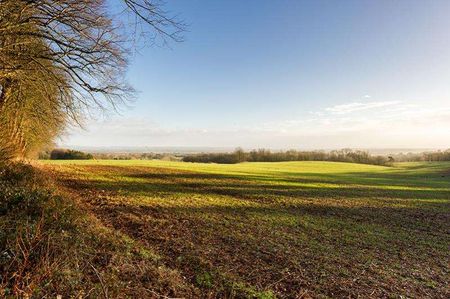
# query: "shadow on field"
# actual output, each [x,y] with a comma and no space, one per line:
[271,233]
[274,198]
[321,245]
[391,219]
[264,189]
[437,179]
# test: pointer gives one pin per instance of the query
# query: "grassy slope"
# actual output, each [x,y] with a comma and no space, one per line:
[284,229]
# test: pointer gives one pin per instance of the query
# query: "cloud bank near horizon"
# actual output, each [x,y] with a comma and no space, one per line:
[375,124]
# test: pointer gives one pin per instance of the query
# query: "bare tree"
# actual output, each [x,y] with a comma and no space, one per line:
[80,46]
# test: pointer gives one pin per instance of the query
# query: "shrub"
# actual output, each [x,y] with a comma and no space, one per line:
[223,158]
[63,154]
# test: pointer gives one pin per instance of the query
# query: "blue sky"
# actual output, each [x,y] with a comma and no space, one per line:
[290,74]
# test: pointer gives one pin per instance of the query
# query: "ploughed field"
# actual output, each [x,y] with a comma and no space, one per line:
[289,229]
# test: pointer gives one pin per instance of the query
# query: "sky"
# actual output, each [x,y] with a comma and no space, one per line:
[289,74]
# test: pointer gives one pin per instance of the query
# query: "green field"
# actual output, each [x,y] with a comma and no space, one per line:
[289,229]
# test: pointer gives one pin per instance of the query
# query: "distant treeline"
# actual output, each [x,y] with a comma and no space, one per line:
[432,156]
[261,155]
[343,155]
[136,156]
[264,155]
[65,154]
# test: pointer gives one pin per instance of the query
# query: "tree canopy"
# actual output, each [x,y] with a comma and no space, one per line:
[61,58]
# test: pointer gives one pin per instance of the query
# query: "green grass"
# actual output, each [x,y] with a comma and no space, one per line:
[288,229]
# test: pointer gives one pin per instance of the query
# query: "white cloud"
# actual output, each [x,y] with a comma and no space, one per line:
[358,106]
[356,124]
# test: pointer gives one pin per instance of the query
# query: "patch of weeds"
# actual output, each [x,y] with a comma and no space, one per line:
[241,290]
[204,280]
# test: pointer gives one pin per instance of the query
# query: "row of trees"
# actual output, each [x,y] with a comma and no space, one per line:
[265,155]
[432,156]
[261,155]
[136,156]
[59,59]
[65,154]
[221,158]
[343,155]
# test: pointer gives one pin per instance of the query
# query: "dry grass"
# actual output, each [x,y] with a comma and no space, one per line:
[51,244]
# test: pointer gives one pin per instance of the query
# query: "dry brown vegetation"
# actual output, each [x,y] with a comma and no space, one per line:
[50,244]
